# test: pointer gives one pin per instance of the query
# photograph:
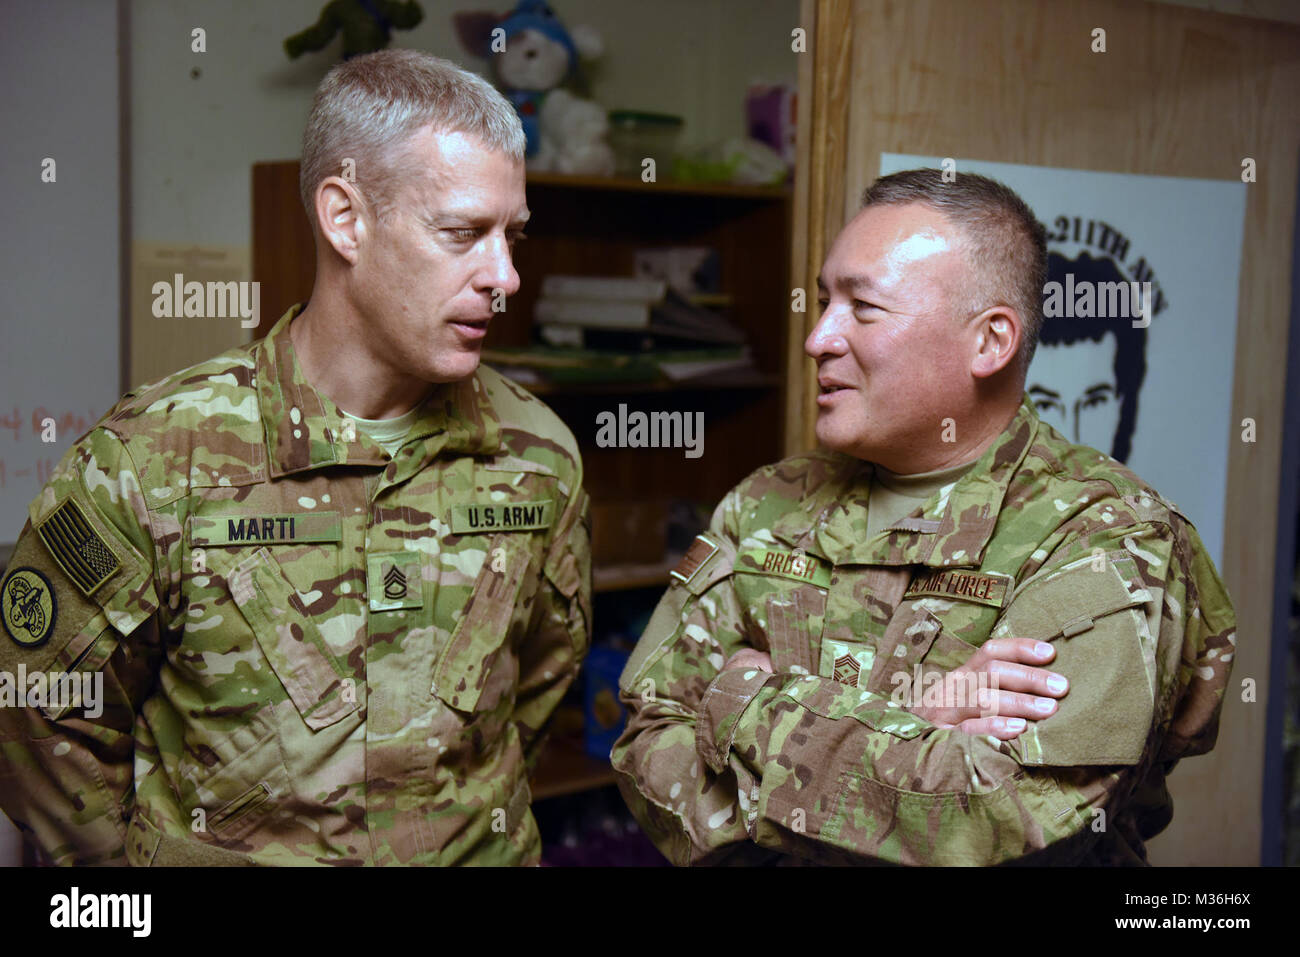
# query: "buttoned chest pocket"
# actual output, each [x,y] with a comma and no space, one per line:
[783,592]
[476,669]
[794,625]
[282,572]
[316,678]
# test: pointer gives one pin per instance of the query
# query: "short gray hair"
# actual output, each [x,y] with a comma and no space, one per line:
[367,107]
[1006,245]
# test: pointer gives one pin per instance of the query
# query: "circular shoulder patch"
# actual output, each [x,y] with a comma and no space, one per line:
[27,607]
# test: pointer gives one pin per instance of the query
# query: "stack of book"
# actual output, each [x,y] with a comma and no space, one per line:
[598,328]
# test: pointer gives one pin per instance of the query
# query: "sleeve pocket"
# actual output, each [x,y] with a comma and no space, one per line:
[123,600]
[1095,618]
[948,829]
[79,689]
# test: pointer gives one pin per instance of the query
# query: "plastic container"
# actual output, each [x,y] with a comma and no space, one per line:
[635,136]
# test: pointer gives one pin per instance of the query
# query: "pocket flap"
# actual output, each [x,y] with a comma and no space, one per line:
[906,642]
[1068,601]
[291,641]
[463,669]
[1106,718]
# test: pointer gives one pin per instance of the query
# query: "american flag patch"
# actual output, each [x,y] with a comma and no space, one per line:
[701,551]
[84,557]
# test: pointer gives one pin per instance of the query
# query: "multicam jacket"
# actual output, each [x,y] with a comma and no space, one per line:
[313,652]
[822,761]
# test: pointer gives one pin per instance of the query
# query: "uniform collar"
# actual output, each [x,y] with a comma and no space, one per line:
[304,428]
[952,531]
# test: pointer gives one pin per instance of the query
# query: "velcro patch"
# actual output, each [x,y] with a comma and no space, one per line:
[503,517]
[84,556]
[785,563]
[265,529]
[28,606]
[985,588]
[701,551]
[849,664]
[393,581]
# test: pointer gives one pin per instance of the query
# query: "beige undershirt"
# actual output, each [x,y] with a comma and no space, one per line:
[389,433]
[895,496]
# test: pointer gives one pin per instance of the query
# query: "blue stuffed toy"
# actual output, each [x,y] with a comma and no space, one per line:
[532,55]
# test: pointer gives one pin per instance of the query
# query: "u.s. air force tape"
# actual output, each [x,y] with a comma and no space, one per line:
[986,588]
[84,556]
[500,517]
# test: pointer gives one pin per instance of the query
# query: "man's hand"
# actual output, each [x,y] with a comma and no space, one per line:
[750,658]
[1023,691]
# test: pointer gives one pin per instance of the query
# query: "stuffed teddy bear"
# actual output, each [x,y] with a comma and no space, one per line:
[533,54]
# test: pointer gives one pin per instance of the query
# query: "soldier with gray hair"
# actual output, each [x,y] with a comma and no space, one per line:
[849,664]
[336,580]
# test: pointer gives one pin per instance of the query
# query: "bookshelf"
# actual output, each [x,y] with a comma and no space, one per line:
[594,227]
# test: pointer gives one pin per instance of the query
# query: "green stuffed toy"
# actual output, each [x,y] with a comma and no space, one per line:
[366,25]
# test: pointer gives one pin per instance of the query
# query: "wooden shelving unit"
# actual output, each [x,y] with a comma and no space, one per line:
[607,578]
[744,380]
[564,768]
[636,185]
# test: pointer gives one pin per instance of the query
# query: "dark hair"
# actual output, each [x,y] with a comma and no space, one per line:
[1006,244]
[1130,365]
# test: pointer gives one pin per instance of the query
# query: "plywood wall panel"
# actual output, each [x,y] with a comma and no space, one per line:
[1179,92]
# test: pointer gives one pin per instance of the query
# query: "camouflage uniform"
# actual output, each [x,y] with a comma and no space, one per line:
[314,653]
[821,762]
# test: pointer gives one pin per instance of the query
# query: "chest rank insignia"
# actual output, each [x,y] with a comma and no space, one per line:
[984,588]
[846,670]
[394,583]
[846,663]
[393,580]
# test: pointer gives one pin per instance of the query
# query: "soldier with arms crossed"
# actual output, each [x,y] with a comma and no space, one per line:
[336,580]
[780,700]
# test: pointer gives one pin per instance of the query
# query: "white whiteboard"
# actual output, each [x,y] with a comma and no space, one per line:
[60,302]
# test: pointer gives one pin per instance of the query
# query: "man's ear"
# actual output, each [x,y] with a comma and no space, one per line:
[997,339]
[339,217]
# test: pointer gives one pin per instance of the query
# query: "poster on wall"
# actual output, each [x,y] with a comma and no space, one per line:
[1142,372]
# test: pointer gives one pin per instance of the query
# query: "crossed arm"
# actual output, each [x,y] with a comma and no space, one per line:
[723,760]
